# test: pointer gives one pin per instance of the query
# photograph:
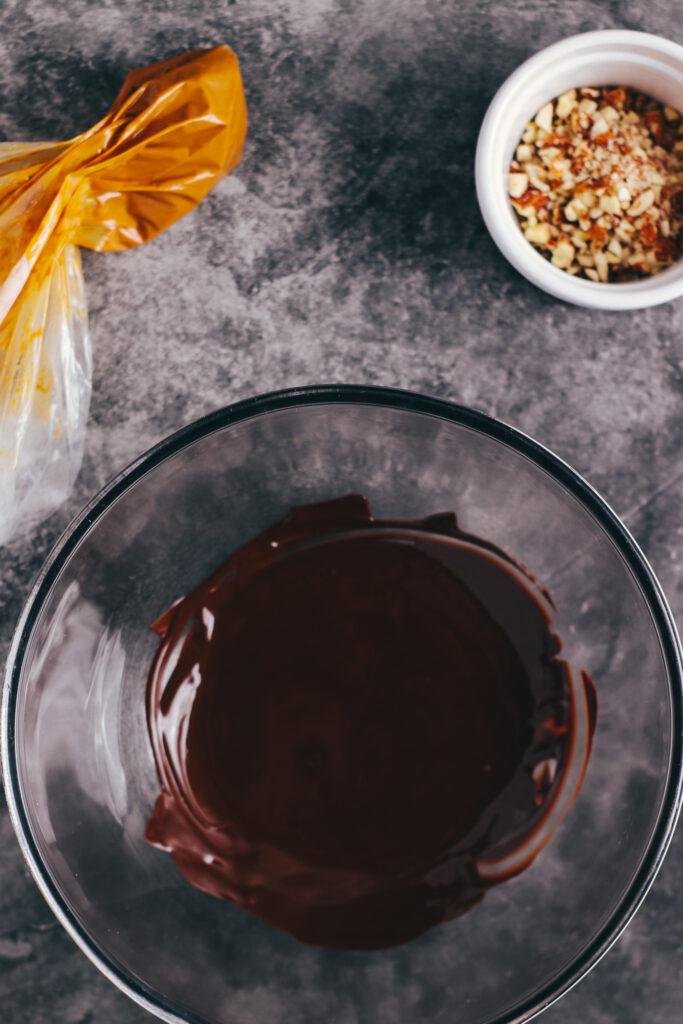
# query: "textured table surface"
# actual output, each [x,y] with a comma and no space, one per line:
[346,247]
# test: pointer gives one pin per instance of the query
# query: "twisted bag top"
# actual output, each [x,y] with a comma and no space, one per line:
[175,129]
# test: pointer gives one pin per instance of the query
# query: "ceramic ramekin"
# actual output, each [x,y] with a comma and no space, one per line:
[648,63]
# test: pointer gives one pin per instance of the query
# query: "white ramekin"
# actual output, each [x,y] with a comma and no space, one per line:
[648,63]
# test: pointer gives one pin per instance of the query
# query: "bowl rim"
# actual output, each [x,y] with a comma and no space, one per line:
[155,1002]
[491,188]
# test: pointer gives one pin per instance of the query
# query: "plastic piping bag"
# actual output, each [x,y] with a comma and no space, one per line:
[175,129]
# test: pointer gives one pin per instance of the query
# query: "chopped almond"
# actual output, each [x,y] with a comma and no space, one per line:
[544,118]
[517,184]
[597,183]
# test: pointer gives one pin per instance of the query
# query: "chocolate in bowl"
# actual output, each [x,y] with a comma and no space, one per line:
[361,725]
[81,779]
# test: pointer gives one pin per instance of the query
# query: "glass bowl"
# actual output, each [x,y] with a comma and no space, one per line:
[78,767]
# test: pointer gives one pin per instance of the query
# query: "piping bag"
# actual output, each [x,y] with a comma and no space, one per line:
[175,129]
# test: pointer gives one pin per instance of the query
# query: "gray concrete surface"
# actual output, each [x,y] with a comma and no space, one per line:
[346,247]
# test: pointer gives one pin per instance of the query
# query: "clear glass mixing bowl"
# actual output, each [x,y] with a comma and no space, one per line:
[78,768]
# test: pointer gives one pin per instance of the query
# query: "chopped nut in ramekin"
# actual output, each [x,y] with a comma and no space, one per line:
[597,183]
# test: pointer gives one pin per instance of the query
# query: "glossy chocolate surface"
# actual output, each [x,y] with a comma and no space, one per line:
[349,716]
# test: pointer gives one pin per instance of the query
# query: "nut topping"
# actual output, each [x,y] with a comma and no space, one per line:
[597,183]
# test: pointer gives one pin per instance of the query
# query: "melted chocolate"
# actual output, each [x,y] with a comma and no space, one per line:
[359,726]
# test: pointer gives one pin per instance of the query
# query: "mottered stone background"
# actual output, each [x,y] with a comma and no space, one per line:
[347,247]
